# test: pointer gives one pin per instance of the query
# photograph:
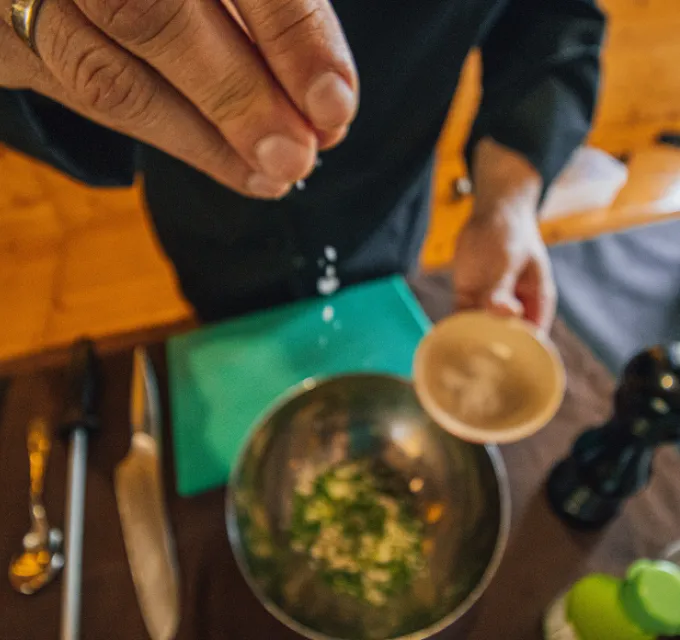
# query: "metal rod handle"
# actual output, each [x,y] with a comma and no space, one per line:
[75,512]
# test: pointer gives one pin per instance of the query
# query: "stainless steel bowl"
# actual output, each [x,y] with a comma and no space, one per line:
[461,487]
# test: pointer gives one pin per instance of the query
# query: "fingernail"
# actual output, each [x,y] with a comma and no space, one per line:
[330,102]
[263,186]
[284,159]
[330,139]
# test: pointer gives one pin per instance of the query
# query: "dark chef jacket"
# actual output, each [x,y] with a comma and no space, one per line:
[369,199]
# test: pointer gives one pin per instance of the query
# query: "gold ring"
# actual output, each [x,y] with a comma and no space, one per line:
[24,17]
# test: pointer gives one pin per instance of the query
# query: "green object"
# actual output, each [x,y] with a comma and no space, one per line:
[596,612]
[359,530]
[651,596]
[224,378]
[644,606]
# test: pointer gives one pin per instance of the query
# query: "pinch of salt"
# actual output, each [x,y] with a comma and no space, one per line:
[328,313]
[331,254]
[327,285]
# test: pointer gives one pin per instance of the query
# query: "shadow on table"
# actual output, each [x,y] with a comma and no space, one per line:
[543,558]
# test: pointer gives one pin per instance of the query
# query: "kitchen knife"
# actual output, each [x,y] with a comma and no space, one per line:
[141,505]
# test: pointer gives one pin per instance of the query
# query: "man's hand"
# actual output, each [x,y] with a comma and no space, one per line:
[249,109]
[501,263]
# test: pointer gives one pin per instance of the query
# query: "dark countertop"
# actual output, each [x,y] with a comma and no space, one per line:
[543,557]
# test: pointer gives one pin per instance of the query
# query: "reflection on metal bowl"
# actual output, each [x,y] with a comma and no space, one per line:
[460,491]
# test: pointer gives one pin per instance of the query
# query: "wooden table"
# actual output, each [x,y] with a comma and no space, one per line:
[542,559]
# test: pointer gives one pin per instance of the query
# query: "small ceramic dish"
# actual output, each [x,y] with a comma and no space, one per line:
[486,378]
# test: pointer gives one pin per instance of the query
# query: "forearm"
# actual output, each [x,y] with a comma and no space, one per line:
[504,181]
[540,75]
[501,263]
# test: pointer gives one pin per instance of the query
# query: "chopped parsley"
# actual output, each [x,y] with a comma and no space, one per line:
[362,537]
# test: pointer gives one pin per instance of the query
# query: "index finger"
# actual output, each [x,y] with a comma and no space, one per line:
[306,49]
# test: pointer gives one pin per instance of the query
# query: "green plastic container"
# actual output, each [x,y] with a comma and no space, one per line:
[643,606]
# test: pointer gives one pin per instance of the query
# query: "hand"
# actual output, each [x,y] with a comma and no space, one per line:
[249,109]
[501,263]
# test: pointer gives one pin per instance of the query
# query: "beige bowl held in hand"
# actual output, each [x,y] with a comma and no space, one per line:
[486,378]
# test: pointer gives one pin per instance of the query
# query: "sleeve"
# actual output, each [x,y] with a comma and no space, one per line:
[541,68]
[49,132]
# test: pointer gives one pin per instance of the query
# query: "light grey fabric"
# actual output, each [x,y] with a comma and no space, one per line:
[621,293]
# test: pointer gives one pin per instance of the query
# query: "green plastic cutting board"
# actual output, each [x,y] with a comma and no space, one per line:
[224,377]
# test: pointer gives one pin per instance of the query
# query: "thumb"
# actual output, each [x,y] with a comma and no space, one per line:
[502,299]
[497,297]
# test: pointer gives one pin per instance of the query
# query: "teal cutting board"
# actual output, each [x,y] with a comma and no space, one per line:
[224,377]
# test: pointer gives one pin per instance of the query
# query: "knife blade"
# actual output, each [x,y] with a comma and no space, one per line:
[144,520]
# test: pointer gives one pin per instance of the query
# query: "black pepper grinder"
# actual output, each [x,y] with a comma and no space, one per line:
[610,463]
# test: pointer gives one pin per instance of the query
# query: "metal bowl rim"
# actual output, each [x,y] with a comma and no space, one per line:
[502,482]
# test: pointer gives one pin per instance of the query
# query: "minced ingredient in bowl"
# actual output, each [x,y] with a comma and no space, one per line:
[362,537]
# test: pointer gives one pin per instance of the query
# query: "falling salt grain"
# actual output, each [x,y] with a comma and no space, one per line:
[331,254]
[300,185]
[323,341]
[328,313]
[327,285]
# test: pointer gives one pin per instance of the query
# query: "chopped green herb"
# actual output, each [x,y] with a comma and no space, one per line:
[359,534]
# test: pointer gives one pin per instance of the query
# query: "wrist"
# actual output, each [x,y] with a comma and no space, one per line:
[518,206]
[505,183]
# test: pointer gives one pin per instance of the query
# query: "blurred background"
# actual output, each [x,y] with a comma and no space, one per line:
[76,260]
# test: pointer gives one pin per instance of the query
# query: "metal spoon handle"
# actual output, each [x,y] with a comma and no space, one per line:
[38,442]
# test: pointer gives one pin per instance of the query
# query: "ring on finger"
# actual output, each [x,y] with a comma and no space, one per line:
[24,15]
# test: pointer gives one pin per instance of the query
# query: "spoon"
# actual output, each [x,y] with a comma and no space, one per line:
[42,558]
